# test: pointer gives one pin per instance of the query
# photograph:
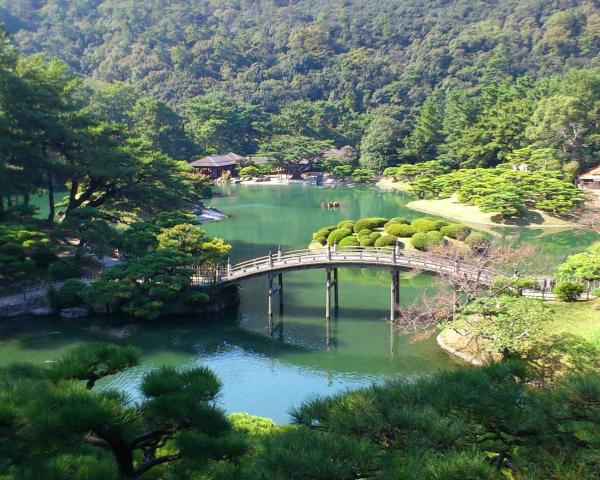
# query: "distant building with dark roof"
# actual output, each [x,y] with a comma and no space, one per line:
[590,180]
[215,165]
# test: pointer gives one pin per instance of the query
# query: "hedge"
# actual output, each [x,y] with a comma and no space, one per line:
[371,223]
[401,230]
[568,291]
[367,242]
[457,231]
[386,241]
[351,241]
[337,235]
[346,224]
[428,224]
[69,295]
[419,241]
[64,269]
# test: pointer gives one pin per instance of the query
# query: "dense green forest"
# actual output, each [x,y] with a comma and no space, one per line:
[357,53]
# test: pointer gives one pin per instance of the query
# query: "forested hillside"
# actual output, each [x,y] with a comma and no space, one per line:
[359,54]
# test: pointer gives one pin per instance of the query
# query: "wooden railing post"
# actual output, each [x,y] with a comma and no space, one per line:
[328,253]
[270,259]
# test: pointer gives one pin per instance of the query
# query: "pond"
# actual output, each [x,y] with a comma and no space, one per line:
[267,368]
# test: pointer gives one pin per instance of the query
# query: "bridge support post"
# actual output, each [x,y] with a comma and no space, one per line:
[280,291]
[394,294]
[335,289]
[270,307]
[328,295]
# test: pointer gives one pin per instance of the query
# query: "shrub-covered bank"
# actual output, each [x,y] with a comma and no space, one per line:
[421,233]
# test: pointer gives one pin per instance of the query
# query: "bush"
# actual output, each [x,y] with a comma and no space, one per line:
[427,224]
[374,236]
[386,241]
[250,172]
[476,240]
[43,258]
[457,231]
[365,232]
[70,294]
[367,242]
[64,269]
[401,230]
[346,224]
[424,225]
[568,291]
[337,235]
[321,240]
[419,241]
[350,241]
[396,221]
[325,231]
[434,238]
[371,223]
[512,285]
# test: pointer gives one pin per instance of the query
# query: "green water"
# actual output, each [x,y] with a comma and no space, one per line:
[268,368]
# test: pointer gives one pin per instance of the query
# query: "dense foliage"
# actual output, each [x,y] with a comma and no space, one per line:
[490,423]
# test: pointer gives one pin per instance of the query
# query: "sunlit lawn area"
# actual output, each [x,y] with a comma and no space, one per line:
[581,319]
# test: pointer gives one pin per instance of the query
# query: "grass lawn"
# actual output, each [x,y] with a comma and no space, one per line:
[580,318]
[450,208]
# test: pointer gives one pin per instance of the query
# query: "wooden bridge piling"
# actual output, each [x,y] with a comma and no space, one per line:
[394,293]
[328,294]
[335,289]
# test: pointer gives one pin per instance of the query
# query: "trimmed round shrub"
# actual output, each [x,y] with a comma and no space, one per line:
[321,240]
[365,232]
[402,220]
[476,240]
[419,240]
[367,242]
[568,291]
[371,223]
[386,241]
[325,231]
[374,236]
[457,231]
[337,235]
[428,224]
[346,224]
[351,241]
[401,230]
[64,269]
[434,238]
[70,294]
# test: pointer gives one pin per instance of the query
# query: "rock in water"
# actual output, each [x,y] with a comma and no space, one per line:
[77,312]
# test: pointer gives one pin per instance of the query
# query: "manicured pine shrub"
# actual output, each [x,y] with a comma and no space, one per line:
[325,231]
[476,240]
[346,224]
[424,225]
[419,241]
[68,295]
[375,236]
[457,231]
[338,234]
[434,238]
[396,220]
[568,291]
[401,230]
[371,223]
[367,242]
[64,269]
[386,241]
[321,240]
[350,241]
[365,232]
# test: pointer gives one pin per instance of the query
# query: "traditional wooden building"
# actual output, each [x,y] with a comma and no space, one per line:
[590,180]
[215,165]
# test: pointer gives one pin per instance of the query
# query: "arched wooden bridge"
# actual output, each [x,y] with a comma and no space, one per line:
[331,258]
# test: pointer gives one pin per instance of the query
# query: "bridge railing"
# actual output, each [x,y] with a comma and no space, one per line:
[386,256]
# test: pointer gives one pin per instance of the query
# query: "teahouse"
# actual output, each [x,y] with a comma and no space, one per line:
[215,165]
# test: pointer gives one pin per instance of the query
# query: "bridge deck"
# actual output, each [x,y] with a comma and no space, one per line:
[388,257]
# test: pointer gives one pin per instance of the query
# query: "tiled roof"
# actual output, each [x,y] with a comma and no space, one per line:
[217,161]
[594,172]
